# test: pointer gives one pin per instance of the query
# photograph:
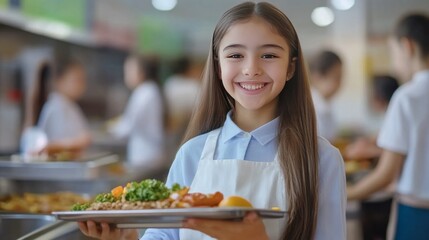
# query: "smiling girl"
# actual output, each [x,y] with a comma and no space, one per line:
[254,135]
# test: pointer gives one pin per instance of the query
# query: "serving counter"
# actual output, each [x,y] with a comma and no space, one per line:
[87,176]
[89,166]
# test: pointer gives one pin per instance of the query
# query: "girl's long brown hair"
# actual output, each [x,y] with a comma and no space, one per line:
[298,149]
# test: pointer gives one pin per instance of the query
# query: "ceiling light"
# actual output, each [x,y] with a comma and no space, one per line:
[343,4]
[164,5]
[322,16]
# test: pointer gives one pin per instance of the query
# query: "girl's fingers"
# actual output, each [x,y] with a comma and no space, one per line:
[92,230]
[83,228]
[251,217]
[209,227]
[227,229]
[105,231]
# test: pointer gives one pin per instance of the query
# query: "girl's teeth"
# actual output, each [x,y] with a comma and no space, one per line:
[251,86]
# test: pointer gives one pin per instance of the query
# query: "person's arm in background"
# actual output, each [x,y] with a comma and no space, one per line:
[363,148]
[393,139]
[53,122]
[125,123]
[136,113]
[387,169]
[75,144]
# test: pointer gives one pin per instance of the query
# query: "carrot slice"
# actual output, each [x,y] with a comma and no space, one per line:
[117,191]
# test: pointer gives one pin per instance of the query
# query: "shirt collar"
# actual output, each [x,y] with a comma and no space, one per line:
[421,76]
[263,134]
[58,97]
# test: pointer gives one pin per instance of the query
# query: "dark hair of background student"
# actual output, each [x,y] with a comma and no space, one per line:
[415,27]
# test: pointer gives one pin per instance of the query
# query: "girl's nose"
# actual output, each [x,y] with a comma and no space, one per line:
[251,68]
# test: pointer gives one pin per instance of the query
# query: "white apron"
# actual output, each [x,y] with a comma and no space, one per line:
[262,183]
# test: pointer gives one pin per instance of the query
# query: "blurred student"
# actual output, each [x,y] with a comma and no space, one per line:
[181,92]
[326,71]
[383,88]
[376,211]
[404,136]
[60,118]
[143,119]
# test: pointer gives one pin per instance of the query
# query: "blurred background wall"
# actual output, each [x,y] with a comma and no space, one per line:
[101,32]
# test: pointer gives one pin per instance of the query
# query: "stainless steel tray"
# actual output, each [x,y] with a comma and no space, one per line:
[162,218]
[14,225]
[87,167]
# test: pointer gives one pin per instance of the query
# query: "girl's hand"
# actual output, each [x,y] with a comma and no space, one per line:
[105,232]
[250,228]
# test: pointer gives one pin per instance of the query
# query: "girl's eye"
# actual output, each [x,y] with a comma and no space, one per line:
[235,56]
[269,56]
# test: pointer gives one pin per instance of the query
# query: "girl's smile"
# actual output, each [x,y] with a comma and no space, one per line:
[252,87]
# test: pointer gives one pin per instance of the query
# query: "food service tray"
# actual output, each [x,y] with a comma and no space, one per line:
[163,218]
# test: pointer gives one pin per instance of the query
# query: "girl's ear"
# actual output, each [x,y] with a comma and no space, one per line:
[291,69]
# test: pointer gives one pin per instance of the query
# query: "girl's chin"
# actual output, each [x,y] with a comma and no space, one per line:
[250,107]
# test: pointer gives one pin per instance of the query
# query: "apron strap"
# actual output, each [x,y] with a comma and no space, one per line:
[210,145]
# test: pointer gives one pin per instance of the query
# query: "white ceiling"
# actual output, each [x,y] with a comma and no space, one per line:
[198,17]
[381,13]
[195,19]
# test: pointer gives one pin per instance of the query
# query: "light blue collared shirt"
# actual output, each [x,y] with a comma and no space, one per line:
[261,145]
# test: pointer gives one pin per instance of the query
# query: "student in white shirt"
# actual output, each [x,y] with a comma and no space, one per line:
[254,135]
[375,211]
[383,87]
[61,118]
[181,92]
[142,122]
[404,136]
[326,71]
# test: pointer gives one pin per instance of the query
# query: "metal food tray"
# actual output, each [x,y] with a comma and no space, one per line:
[85,168]
[163,218]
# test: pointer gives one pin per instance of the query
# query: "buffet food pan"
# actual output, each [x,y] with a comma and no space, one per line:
[87,167]
[15,225]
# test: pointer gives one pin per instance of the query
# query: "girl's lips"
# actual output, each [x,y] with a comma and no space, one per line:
[252,88]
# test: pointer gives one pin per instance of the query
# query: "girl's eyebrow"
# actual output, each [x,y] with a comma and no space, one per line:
[263,46]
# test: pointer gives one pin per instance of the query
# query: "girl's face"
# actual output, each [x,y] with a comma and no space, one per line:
[254,64]
[132,75]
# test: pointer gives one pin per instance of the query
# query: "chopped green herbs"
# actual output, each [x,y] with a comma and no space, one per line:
[80,206]
[147,190]
[105,197]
